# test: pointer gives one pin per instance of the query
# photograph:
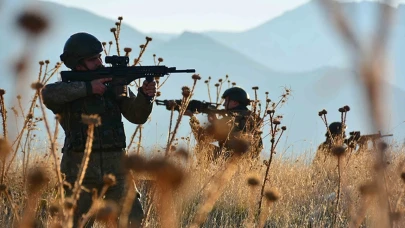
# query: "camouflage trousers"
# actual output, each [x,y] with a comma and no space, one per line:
[100,164]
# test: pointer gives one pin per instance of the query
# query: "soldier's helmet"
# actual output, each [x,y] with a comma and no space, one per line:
[79,46]
[335,128]
[237,94]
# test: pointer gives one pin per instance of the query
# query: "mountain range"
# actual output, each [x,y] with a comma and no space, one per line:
[298,50]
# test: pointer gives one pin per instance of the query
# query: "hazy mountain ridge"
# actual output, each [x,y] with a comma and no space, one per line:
[324,87]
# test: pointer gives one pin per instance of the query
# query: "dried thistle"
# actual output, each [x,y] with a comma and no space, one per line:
[127,49]
[37,177]
[41,63]
[37,86]
[32,22]
[196,77]
[148,39]
[253,181]
[109,180]
[272,195]
[142,46]
[113,30]
[2,92]
[135,162]
[255,87]
[160,59]
[185,91]
[239,146]
[47,61]
[5,148]
[167,173]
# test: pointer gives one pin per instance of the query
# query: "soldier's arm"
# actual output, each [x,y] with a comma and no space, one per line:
[56,94]
[136,108]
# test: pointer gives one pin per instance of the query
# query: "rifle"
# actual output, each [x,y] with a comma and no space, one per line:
[120,72]
[194,106]
[362,140]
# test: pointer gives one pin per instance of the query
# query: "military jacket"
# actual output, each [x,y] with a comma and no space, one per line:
[71,100]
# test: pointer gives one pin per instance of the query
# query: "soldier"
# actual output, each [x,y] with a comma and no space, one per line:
[82,52]
[240,122]
[334,135]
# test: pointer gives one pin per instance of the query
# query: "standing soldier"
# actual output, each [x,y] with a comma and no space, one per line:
[82,52]
[240,122]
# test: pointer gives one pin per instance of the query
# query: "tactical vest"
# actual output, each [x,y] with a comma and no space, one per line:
[109,136]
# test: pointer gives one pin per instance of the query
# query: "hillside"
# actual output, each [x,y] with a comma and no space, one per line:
[323,87]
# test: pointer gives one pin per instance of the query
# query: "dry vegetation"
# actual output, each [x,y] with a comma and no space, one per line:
[182,188]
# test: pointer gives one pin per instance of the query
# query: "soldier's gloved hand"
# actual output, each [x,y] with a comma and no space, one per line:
[98,86]
[149,88]
[120,91]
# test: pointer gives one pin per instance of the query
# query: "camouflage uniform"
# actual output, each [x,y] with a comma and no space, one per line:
[72,99]
[239,123]
[324,152]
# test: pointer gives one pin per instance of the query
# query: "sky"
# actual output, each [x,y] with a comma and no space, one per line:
[177,16]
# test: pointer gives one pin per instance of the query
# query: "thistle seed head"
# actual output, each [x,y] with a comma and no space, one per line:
[272,195]
[32,22]
[185,91]
[37,86]
[109,180]
[37,177]
[196,77]
[127,49]
[5,148]
[253,181]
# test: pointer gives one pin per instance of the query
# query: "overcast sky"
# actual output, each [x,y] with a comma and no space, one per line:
[176,16]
